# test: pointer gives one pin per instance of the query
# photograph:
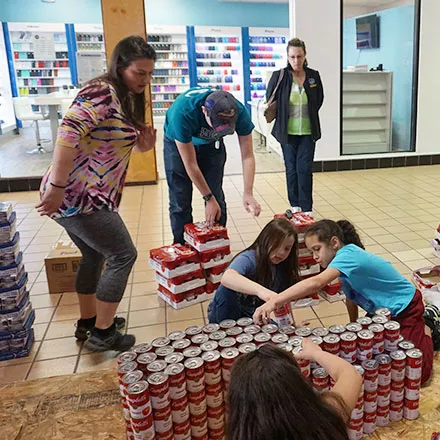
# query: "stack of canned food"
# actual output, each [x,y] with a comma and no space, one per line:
[176,386]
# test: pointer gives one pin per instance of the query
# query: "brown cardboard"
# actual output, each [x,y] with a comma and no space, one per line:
[62,264]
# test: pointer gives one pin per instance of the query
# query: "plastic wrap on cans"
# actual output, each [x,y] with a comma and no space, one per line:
[383,416]
[181,345]
[384,361]
[378,331]
[369,422]
[398,365]
[365,345]
[396,411]
[159,390]
[331,344]
[303,364]
[229,355]
[217,335]
[397,391]
[180,409]
[234,331]
[227,342]
[228,323]
[244,322]
[138,397]
[411,409]
[392,334]
[214,395]
[348,346]
[355,429]
[209,346]
[177,380]
[320,380]
[163,421]
[175,358]
[371,376]
[182,431]
[304,332]
[213,367]
[197,403]
[261,338]
[199,425]
[414,360]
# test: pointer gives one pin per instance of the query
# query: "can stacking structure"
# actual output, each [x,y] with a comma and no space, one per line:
[190,274]
[176,386]
[16,314]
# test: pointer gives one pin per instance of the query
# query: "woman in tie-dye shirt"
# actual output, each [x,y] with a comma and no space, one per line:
[82,188]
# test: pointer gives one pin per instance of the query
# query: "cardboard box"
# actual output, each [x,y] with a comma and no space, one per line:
[62,264]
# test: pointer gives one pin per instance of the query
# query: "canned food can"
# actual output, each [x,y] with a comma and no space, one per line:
[127,356]
[213,367]
[348,347]
[130,378]
[378,331]
[199,339]
[360,370]
[177,380]
[214,395]
[414,360]
[288,330]
[199,425]
[229,355]
[163,421]
[369,422]
[197,403]
[163,352]
[192,352]
[358,413]
[192,331]
[383,395]
[244,322]
[398,365]
[228,323]
[384,361]
[210,328]
[370,401]
[144,360]
[406,345]
[303,364]
[234,331]
[411,409]
[169,435]
[142,348]
[285,346]
[331,344]
[396,411]
[364,321]
[209,346]
[320,380]
[127,367]
[181,345]
[227,342]
[377,319]
[412,389]
[247,348]
[138,398]
[180,409]
[156,366]
[365,345]
[244,338]
[216,417]
[304,332]
[262,338]
[160,342]
[355,429]
[195,374]
[296,341]
[159,390]
[383,416]
[383,311]
[176,335]
[182,431]
[337,329]
[217,335]
[320,331]
[354,327]
[216,434]
[251,330]
[392,333]
[397,391]
[175,358]
[144,428]
[279,338]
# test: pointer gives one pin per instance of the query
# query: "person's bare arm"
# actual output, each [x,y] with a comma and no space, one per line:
[352,308]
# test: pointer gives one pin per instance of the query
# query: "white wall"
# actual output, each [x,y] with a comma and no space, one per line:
[354,11]
[429,66]
[318,22]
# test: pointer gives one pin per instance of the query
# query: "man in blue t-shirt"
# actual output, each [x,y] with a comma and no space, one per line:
[194,152]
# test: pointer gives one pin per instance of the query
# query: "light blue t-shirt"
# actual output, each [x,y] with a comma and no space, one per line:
[372,282]
[185,121]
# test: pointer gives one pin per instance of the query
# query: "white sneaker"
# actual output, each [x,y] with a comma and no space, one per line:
[310,214]
[295,209]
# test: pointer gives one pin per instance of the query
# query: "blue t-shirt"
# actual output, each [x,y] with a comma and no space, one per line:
[185,121]
[372,282]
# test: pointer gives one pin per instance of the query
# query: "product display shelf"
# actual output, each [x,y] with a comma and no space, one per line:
[267,49]
[7,116]
[171,74]
[41,59]
[90,38]
[219,59]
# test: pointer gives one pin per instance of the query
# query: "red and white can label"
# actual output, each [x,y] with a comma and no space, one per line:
[358,413]
[411,409]
[383,395]
[195,374]
[177,384]
[214,395]
[216,417]
[397,391]
[182,431]
[356,429]
[369,422]
[199,425]
[197,403]
[138,398]
[383,416]
[180,410]
[159,390]
[213,370]
[143,429]
[163,421]
[370,385]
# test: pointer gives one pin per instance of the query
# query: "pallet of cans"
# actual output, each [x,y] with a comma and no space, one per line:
[427,280]
[333,291]
[16,313]
[435,243]
[176,386]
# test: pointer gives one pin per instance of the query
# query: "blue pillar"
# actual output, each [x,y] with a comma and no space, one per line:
[246,67]
[192,62]
[72,49]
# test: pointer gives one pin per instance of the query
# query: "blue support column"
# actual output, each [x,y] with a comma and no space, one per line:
[246,67]
[10,57]
[192,61]
[72,49]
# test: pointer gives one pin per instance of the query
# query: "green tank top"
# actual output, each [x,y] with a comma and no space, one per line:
[299,121]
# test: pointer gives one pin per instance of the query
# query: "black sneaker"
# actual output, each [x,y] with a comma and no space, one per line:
[116,342]
[432,320]
[82,332]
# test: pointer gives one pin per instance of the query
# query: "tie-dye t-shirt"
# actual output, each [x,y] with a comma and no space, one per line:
[96,127]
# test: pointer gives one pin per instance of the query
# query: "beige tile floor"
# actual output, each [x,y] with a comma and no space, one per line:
[396,211]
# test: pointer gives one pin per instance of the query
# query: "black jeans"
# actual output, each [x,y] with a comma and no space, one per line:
[298,158]
[211,159]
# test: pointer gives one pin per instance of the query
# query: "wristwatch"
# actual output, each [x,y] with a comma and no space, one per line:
[207,197]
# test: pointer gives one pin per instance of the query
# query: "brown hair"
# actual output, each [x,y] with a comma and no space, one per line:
[296,42]
[269,398]
[125,52]
[325,230]
[268,241]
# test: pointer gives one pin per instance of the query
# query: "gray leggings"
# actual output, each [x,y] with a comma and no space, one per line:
[101,236]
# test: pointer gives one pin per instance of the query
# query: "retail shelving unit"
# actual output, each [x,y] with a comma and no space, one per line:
[7,117]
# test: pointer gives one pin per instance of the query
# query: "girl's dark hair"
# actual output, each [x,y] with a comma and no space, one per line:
[269,398]
[296,42]
[343,229]
[268,241]
[125,52]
